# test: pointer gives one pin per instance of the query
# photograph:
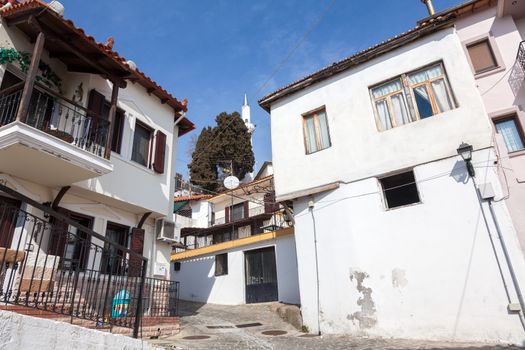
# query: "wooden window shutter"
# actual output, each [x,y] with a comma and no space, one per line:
[96,102]
[136,245]
[246,209]
[160,151]
[227,214]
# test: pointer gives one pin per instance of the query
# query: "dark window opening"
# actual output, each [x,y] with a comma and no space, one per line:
[237,212]
[176,266]
[221,264]
[70,243]
[400,189]
[424,105]
[141,144]
[113,259]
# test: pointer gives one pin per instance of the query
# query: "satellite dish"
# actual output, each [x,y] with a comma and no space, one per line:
[231,182]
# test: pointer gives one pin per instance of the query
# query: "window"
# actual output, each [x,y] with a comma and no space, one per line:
[237,212]
[176,266]
[98,104]
[221,264]
[391,104]
[400,190]
[141,144]
[511,132]
[481,56]
[411,97]
[316,134]
[112,258]
[70,243]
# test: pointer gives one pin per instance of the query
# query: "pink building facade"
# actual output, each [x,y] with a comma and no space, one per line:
[492,33]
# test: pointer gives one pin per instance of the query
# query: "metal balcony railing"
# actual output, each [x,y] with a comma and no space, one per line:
[520,57]
[251,213]
[51,263]
[57,116]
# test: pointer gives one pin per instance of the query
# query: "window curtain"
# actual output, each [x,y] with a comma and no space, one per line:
[387,88]
[510,134]
[442,98]
[323,126]
[384,115]
[426,74]
[310,135]
[400,109]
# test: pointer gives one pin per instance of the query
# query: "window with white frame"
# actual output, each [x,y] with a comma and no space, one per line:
[412,96]
[511,132]
[316,133]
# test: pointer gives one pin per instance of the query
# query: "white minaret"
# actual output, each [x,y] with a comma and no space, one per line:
[245,115]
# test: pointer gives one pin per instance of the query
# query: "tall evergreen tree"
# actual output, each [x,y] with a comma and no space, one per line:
[202,170]
[231,142]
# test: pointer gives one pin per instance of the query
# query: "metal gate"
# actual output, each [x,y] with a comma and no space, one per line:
[261,275]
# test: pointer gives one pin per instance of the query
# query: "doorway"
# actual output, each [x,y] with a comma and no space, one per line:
[8,217]
[261,275]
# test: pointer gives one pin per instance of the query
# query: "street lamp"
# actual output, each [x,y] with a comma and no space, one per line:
[465,151]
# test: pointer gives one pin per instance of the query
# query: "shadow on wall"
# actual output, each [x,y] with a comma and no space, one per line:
[459,172]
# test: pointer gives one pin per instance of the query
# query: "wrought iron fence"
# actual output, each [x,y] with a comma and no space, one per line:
[251,212]
[57,116]
[520,57]
[52,263]
[161,297]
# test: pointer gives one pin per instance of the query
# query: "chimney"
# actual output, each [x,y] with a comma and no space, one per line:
[430,7]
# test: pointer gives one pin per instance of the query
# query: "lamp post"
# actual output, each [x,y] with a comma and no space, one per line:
[465,151]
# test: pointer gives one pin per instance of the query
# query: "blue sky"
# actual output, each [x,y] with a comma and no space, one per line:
[214,51]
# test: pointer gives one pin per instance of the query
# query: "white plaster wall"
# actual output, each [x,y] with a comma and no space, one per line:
[20,332]
[425,271]
[200,213]
[198,282]
[358,149]
[150,191]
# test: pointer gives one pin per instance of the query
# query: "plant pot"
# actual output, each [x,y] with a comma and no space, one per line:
[64,136]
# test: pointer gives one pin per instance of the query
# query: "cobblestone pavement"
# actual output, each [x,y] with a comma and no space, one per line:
[219,325]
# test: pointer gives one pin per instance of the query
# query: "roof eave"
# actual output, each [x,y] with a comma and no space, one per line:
[391,44]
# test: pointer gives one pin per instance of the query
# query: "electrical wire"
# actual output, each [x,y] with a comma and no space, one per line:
[298,44]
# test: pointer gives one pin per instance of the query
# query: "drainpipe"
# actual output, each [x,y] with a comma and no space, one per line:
[311,205]
[504,249]
[507,258]
[430,7]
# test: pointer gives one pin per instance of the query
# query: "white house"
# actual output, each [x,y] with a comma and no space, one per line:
[90,136]
[239,247]
[392,239]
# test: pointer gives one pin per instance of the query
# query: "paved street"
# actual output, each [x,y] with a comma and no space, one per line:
[243,327]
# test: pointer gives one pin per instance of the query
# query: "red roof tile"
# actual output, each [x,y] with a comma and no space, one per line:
[192,198]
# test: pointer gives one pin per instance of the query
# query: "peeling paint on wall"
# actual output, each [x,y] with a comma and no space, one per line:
[367,315]
[399,279]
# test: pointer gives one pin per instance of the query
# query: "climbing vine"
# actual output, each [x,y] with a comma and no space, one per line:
[47,77]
